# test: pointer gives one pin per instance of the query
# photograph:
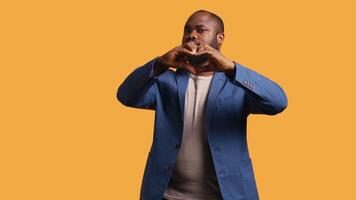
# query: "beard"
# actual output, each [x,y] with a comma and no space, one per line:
[214,43]
[198,60]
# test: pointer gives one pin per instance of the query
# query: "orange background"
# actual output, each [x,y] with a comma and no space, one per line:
[63,134]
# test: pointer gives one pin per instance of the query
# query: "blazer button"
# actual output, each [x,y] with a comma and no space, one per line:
[221,172]
[167,167]
[216,148]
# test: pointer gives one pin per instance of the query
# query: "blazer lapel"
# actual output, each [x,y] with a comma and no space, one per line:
[216,85]
[182,83]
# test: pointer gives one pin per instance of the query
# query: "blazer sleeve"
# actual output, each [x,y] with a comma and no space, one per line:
[138,89]
[262,95]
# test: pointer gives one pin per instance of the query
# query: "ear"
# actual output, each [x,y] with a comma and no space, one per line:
[220,37]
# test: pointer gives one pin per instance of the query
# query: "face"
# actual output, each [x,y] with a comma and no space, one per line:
[201,28]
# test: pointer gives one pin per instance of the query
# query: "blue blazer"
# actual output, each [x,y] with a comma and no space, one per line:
[230,100]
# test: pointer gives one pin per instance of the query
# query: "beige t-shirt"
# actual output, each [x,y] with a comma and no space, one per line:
[194,176]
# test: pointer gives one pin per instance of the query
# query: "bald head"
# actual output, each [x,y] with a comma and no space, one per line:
[204,27]
[218,21]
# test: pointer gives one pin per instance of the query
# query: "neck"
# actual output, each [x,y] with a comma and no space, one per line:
[206,73]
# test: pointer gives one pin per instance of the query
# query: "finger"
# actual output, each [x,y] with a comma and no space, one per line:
[190,46]
[200,47]
[205,46]
[187,66]
[183,55]
[185,51]
[204,52]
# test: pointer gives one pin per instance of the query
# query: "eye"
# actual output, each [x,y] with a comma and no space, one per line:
[187,29]
[201,30]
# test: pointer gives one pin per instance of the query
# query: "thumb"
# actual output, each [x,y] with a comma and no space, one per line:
[187,66]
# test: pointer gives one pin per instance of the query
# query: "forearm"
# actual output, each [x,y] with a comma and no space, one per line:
[137,90]
[159,68]
[263,96]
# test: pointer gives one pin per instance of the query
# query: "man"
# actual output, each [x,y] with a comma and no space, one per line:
[199,149]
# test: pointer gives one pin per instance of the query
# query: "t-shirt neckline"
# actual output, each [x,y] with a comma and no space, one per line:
[200,77]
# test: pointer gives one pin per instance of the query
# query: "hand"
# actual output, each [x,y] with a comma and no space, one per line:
[215,61]
[177,58]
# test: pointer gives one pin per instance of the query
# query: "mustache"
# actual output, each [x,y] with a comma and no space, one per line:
[213,43]
[196,42]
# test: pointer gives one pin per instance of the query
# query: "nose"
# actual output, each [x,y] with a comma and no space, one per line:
[193,36]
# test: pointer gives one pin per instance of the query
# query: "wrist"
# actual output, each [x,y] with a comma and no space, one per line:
[158,67]
[230,71]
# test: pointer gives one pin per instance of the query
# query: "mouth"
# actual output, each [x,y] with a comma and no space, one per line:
[196,42]
[197,60]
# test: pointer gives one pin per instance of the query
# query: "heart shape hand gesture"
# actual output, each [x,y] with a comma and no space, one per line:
[195,58]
